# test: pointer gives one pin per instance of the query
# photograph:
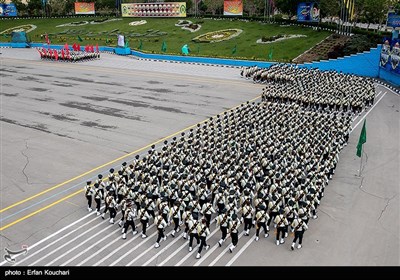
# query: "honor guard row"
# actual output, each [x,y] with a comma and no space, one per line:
[67,55]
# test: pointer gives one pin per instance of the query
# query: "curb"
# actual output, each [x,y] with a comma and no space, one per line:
[396,90]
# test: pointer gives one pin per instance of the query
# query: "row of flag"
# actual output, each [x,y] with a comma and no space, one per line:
[65,54]
[76,47]
[48,42]
[349,4]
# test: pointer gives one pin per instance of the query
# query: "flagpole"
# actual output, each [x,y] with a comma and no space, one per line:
[359,171]
[265,8]
[346,17]
[340,17]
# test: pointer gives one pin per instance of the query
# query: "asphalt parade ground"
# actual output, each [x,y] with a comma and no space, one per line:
[64,123]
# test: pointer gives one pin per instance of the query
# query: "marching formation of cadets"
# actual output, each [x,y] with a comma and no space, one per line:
[312,88]
[67,56]
[250,166]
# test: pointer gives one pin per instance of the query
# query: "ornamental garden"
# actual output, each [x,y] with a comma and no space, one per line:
[204,36]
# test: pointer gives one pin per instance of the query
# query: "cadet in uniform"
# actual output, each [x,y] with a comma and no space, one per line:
[130,215]
[222,221]
[97,197]
[112,206]
[89,194]
[161,224]
[203,231]
[298,226]
[207,211]
[234,224]
[260,221]
[187,215]
[175,215]
[144,218]
[281,223]
[192,232]
[247,216]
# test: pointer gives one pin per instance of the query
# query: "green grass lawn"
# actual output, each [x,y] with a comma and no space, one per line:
[156,30]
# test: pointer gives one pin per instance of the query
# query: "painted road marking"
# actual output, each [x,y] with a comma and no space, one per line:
[97,168]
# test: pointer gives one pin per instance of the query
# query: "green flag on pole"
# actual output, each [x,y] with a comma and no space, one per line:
[271,51]
[80,39]
[234,49]
[164,46]
[140,45]
[362,140]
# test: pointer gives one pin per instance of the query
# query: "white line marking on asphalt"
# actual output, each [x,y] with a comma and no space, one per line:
[223,252]
[131,250]
[80,244]
[172,255]
[191,253]
[55,241]
[67,243]
[177,238]
[206,255]
[48,237]
[90,247]
[105,247]
[370,110]
[241,251]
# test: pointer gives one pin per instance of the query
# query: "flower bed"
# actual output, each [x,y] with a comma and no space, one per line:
[27,28]
[75,23]
[84,22]
[277,38]
[182,22]
[138,22]
[188,25]
[217,36]
[192,27]
[105,20]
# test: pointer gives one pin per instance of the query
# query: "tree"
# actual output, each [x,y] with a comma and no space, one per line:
[214,5]
[202,7]
[373,11]
[21,7]
[329,8]
[189,5]
[69,7]
[57,7]
[253,7]
[35,8]
[288,7]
